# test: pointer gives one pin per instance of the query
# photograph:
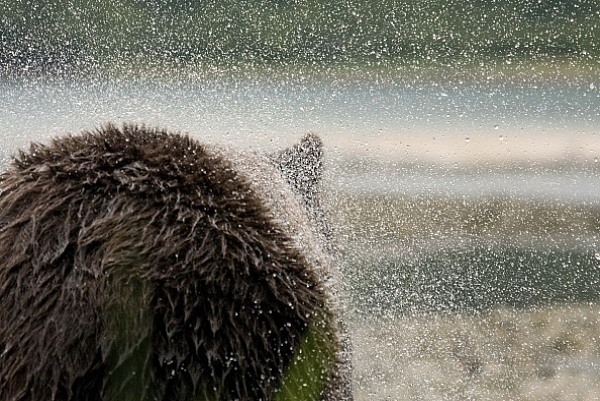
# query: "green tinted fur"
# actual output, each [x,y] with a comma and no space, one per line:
[128,338]
[308,372]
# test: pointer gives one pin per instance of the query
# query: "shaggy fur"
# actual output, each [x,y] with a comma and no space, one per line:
[137,264]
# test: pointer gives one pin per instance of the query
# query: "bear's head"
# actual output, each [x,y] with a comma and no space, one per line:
[138,264]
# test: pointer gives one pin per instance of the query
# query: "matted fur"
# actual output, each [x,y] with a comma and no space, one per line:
[137,264]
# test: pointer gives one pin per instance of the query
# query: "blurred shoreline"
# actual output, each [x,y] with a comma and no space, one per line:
[494,145]
[535,354]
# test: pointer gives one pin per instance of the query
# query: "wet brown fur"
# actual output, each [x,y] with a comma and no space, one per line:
[132,249]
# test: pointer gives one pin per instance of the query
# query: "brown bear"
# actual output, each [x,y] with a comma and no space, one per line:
[138,264]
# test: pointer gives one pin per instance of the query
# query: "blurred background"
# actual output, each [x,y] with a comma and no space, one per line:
[462,138]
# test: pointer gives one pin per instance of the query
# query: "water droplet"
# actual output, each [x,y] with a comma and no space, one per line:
[597,255]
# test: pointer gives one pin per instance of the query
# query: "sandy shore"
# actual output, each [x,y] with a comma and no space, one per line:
[548,353]
[462,146]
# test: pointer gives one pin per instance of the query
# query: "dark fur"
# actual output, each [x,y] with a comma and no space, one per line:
[135,264]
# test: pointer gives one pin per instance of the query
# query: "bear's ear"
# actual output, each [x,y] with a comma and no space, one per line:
[301,164]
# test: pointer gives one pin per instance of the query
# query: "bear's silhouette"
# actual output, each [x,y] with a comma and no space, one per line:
[138,264]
